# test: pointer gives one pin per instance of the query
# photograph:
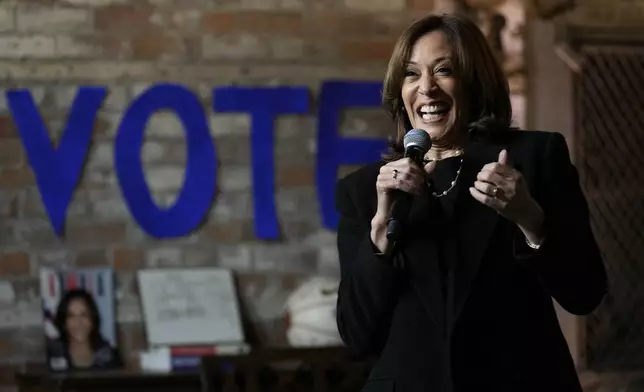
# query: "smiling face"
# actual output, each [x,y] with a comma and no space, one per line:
[443,78]
[429,86]
[79,321]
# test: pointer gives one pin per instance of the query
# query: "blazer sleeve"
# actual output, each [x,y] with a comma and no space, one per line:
[569,261]
[369,284]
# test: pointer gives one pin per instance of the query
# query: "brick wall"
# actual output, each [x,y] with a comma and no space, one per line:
[51,47]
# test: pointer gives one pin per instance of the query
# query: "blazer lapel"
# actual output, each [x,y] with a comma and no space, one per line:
[475,222]
[421,256]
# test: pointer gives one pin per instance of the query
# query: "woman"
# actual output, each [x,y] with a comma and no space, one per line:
[498,227]
[81,345]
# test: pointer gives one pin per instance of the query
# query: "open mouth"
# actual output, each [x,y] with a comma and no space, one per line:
[434,112]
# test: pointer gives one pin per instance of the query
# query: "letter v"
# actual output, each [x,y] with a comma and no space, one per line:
[57,170]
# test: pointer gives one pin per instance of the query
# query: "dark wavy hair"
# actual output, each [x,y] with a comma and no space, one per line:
[483,89]
[62,312]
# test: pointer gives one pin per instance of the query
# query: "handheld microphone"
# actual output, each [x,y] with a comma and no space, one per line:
[417,142]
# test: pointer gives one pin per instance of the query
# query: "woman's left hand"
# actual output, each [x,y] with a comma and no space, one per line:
[503,188]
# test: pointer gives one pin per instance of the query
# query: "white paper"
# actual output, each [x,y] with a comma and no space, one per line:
[190,306]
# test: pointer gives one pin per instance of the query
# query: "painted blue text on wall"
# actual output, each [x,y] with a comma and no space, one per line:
[58,170]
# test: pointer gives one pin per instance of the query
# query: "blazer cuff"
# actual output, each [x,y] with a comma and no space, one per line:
[539,260]
[520,248]
[376,251]
[371,261]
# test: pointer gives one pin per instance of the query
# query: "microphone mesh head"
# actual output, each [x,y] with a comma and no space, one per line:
[417,138]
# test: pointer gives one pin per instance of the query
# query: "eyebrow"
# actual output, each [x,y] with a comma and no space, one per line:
[436,60]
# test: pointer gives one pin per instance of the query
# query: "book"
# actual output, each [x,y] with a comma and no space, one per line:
[79,318]
[172,358]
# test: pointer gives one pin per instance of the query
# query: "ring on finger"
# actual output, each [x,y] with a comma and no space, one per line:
[395,173]
[496,191]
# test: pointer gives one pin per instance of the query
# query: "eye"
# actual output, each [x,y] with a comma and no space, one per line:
[445,70]
[410,72]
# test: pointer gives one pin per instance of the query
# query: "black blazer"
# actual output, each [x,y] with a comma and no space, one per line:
[499,331]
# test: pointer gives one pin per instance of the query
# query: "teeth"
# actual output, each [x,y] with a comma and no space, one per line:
[432,117]
[434,109]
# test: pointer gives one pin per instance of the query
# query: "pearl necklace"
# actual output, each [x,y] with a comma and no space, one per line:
[452,184]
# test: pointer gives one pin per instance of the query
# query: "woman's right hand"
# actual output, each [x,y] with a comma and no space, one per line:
[403,175]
